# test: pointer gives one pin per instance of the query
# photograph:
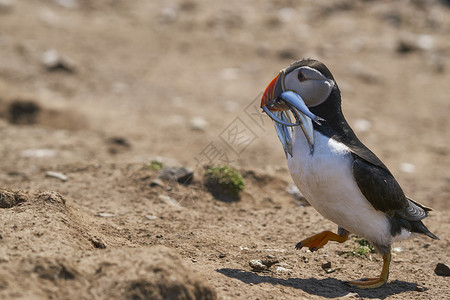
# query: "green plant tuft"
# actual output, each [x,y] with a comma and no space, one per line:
[224,182]
[155,165]
[362,248]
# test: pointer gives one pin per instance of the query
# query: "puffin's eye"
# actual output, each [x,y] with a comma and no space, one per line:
[301,77]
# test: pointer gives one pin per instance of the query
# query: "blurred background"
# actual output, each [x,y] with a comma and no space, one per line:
[87,82]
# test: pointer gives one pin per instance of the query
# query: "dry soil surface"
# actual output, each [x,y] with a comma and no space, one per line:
[92,91]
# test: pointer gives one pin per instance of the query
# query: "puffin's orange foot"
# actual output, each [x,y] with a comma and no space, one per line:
[373,283]
[368,283]
[319,240]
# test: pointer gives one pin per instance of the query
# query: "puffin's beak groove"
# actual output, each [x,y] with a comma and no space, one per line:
[269,93]
[273,91]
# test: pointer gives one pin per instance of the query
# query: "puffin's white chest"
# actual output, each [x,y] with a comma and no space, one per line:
[326,180]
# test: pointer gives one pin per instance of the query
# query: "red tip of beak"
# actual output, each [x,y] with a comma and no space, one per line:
[269,93]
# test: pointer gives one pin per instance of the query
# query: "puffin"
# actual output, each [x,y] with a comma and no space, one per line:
[339,176]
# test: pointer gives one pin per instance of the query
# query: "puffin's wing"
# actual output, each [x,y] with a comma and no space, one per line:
[379,186]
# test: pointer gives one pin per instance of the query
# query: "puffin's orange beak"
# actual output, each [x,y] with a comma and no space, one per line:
[273,90]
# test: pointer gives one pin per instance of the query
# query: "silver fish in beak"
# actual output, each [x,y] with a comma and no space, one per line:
[276,103]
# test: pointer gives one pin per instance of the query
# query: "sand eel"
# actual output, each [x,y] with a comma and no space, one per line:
[341,178]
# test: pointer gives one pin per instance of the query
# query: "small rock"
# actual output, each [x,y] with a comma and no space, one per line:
[169,13]
[281,269]
[420,288]
[414,43]
[169,201]
[352,295]
[23,112]
[159,236]
[362,125]
[398,249]
[425,42]
[119,141]
[286,14]
[1,237]
[98,243]
[442,270]
[105,215]
[257,265]
[151,217]
[180,174]
[326,265]
[269,261]
[198,123]
[156,182]
[57,175]
[54,61]
[427,245]
[222,255]
[38,153]
[407,167]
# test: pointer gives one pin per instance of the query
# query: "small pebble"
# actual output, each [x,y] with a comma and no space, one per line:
[257,265]
[54,61]
[169,200]
[151,217]
[407,167]
[222,255]
[104,215]
[442,270]
[362,125]
[98,243]
[179,174]
[156,182]
[57,175]
[326,265]
[420,288]
[198,123]
[269,261]
[38,153]
[281,269]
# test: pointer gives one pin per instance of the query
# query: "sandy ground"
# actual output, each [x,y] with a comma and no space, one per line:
[95,90]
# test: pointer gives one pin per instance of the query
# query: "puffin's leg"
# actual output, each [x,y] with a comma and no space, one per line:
[319,240]
[372,283]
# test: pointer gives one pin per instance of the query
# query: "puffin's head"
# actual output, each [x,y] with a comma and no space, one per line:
[308,78]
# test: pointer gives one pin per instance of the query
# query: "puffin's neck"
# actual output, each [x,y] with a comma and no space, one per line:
[335,126]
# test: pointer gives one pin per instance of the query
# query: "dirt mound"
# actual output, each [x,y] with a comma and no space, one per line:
[147,273]
[51,246]
[10,198]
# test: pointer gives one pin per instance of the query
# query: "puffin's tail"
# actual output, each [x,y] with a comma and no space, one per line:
[419,227]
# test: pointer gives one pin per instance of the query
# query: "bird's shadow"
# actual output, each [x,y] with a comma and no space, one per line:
[327,287]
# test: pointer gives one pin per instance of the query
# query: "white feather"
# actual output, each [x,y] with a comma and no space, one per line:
[326,180]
